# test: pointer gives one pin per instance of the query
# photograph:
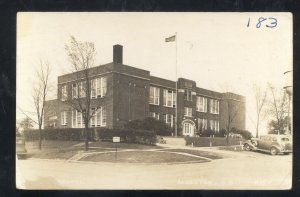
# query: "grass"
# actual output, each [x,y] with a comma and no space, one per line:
[64,155]
[50,144]
[52,149]
[122,145]
[142,157]
[207,154]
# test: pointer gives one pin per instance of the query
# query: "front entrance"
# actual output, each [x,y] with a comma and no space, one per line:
[188,128]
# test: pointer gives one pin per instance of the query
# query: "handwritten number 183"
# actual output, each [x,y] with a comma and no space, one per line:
[268,22]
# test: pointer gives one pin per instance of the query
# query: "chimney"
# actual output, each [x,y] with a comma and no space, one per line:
[118,54]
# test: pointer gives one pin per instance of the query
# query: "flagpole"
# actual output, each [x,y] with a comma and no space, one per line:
[176,86]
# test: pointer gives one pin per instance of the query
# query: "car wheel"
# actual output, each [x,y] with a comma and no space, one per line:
[247,147]
[273,151]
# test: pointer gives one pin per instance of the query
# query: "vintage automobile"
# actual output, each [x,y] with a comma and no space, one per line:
[273,144]
[20,146]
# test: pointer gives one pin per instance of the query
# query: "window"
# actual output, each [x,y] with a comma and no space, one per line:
[202,124]
[154,96]
[188,95]
[103,111]
[201,104]
[64,93]
[74,90]
[98,87]
[188,129]
[81,87]
[169,98]
[77,119]
[214,106]
[214,125]
[188,111]
[64,118]
[154,115]
[99,117]
[168,119]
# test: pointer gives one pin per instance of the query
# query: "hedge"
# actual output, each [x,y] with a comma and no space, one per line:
[105,134]
[216,141]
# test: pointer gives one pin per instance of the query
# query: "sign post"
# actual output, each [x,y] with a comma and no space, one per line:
[116,140]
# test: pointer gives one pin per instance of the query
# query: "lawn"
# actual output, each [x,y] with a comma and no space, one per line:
[207,154]
[63,154]
[50,144]
[52,149]
[150,157]
[102,144]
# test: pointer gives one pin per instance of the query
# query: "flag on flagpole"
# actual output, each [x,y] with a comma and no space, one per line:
[171,39]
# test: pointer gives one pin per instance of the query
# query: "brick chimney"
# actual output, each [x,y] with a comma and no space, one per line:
[118,54]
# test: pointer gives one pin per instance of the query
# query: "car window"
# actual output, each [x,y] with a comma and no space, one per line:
[285,139]
[265,138]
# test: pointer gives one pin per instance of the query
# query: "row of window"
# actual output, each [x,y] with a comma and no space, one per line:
[169,119]
[98,118]
[201,105]
[169,100]
[79,89]
[202,124]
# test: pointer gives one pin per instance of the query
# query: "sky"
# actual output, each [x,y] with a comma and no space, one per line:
[220,51]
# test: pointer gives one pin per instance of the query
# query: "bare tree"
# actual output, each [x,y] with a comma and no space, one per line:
[25,124]
[40,93]
[260,101]
[233,106]
[278,109]
[82,57]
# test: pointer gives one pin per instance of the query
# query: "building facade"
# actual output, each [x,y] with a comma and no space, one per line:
[123,93]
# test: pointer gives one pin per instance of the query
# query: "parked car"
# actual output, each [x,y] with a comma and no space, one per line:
[273,144]
[20,146]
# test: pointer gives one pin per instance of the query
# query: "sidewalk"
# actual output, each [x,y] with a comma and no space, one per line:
[209,149]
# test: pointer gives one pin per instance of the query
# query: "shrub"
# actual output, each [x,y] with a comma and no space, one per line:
[244,133]
[150,124]
[68,134]
[128,135]
[205,141]
[207,133]
[77,134]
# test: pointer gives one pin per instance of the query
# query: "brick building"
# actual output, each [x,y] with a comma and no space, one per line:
[127,93]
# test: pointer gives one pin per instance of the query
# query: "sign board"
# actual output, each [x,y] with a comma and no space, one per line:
[116,139]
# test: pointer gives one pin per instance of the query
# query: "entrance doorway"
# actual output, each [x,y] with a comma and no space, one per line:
[188,128]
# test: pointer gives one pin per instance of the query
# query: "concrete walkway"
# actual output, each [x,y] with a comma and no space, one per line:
[208,149]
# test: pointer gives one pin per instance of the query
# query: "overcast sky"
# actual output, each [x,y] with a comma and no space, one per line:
[217,50]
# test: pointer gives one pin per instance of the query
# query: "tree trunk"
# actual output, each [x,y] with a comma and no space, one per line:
[40,138]
[86,138]
[257,128]
[227,138]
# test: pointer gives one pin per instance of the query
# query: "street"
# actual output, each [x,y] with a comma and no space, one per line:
[243,170]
